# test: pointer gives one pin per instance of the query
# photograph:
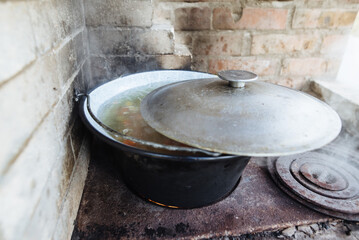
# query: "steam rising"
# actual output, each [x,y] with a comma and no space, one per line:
[349,71]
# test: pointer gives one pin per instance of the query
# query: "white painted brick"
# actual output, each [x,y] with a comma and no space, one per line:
[68,214]
[36,156]
[45,214]
[65,11]
[17,45]
[66,62]
[24,101]
[38,181]
[53,20]
[46,27]
[118,13]
[23,184]
[63,113]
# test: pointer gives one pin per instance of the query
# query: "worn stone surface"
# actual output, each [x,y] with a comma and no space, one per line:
[109,210]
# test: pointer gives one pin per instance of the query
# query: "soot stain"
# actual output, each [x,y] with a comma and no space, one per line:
[182,228]
[97,231]
[159,232]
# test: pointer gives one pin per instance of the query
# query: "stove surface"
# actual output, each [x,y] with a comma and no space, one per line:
[109,210]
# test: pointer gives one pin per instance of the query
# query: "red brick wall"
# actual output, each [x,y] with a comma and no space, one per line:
[285,42]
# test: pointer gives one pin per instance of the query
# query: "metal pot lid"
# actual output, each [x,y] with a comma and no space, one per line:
[243,117]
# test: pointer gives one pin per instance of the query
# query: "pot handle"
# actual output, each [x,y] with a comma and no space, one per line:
[237,78]
[139,141]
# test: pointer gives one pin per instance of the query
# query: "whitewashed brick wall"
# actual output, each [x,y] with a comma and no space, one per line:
[43,155]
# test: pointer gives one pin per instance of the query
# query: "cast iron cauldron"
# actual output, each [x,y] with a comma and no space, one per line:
[180,181]
[254,126]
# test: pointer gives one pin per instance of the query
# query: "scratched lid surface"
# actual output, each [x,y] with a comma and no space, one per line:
[243,117]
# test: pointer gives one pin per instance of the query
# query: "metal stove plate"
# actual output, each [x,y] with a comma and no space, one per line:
[320,180]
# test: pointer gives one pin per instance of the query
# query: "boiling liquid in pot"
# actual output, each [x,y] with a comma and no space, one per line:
[122,113]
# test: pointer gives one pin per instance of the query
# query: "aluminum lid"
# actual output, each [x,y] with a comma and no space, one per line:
[243,117]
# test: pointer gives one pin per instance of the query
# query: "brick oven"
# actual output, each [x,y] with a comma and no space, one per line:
[51,48]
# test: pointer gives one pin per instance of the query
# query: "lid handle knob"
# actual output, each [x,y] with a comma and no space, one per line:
[237,78]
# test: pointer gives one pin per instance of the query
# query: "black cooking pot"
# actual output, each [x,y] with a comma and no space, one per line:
[239,117]
[171,180]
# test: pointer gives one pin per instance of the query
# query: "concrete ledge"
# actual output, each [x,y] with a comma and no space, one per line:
[342,98]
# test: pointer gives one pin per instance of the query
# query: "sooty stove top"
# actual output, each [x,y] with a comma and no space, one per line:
[256,209]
